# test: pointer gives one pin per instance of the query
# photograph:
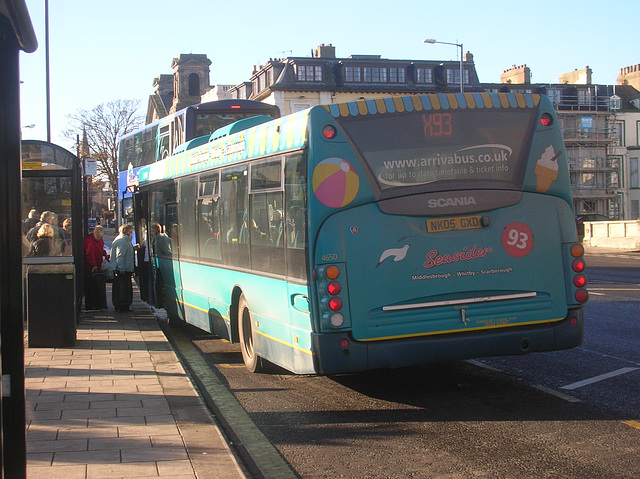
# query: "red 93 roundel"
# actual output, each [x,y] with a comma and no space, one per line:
[517,239]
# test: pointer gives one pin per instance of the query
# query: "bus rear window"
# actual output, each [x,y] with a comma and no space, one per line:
[484,147]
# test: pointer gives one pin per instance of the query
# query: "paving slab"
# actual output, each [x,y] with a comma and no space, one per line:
[119,404]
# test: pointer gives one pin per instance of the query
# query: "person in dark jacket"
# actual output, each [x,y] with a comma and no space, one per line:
[58,233]
[44,244]
[30,221]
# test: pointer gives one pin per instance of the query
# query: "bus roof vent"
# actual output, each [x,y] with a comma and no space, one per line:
[239,125]
[201,140]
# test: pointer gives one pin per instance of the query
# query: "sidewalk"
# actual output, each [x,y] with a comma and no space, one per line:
[119,405]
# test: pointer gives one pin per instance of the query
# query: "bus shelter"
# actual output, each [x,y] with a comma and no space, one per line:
[52,242]
[16,34]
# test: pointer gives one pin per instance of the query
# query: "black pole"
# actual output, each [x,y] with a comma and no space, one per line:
[48,85]
[11,311]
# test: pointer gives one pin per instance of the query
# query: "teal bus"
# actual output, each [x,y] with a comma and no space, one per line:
[163,137]
[375,233]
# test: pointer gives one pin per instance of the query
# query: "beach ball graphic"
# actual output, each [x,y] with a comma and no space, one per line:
[335,182]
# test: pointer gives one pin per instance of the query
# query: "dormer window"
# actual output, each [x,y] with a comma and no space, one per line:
[353,74]
[309,73]
[424,75]
[396,75]
[375,75]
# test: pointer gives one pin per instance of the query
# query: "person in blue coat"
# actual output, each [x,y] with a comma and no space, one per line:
[122,264]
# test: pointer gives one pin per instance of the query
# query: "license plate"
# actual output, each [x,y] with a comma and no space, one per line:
[454,224]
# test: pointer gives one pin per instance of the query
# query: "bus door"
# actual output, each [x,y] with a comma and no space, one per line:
[143,263]
[171,268]
[163,226]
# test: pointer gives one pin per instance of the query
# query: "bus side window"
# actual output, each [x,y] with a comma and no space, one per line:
[233,214]
[295,202]
[187,215]
[209,228]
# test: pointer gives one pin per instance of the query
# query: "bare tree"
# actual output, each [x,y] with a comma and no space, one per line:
[104,125]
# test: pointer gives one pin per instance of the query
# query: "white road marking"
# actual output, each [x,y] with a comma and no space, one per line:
[601,377]
[555,393]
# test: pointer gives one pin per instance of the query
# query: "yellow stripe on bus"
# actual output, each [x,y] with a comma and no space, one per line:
[522,103]
[362,107]
[294,346]
[344,109]
[380,105]
[417,103]
[397,101]
[453,101]
[434,333]
[471,102]
[284,342]
[488,103]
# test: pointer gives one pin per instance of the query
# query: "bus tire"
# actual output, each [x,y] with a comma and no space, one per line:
[251,360]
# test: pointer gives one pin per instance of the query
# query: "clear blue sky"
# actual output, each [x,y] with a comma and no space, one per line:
[104,51]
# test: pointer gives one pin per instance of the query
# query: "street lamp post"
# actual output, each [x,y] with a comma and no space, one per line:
[432,41]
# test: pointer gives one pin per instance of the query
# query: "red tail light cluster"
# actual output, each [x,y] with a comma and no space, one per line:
[329,132]
[332,294]
[546,119]
[579,279]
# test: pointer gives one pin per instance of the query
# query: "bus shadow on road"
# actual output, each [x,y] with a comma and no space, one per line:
[462,391]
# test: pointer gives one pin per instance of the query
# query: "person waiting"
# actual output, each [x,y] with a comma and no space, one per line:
[122,264]
[44,244]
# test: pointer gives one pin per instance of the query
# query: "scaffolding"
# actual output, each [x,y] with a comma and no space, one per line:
[588,128]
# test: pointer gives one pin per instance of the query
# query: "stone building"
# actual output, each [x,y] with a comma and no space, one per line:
[189,82]
[600,123]
[296,83]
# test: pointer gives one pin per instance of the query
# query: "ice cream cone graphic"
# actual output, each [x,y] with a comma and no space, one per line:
[547,169]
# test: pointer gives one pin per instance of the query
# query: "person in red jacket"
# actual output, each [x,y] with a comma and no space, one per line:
[94,251]
[95,296]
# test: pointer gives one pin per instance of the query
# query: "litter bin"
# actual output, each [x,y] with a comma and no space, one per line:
[51,305]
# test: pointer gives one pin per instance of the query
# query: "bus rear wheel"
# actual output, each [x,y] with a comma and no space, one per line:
[251,360]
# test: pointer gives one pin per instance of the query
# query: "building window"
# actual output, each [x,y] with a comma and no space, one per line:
[453,76]
[635,209]
[585,98]
[633,173]
[295,107]
[554,96]
[588,179]
[353,74]
[616,133]
[375,75]
[615,102]
[194,85]
[309,73]
[424,75]
[396,75]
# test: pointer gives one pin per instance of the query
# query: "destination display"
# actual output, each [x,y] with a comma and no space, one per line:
[427,146]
